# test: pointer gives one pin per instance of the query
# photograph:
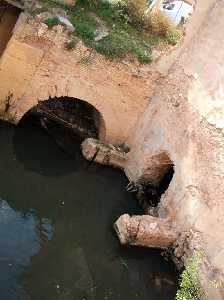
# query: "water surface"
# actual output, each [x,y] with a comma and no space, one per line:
[56,235]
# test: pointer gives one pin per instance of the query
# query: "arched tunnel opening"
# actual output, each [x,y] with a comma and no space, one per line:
[66,120]
[154,182]
[9,15]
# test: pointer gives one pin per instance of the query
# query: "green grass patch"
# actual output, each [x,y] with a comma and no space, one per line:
[120,43]
[51,22]
[173,37]
[190,286]
[84,24]
[124,38]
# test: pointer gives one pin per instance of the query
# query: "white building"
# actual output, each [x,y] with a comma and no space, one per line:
[176,10]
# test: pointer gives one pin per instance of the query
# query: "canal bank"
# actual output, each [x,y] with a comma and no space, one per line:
[56,235]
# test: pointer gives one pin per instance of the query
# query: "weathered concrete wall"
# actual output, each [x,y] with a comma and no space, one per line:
[191,30]
[8,18]
[185,120]
[35,66]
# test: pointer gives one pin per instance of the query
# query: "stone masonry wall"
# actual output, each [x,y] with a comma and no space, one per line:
[36,66]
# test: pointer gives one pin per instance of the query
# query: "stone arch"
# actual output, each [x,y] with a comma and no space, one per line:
[95,113]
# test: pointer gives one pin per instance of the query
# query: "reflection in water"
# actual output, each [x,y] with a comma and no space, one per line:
[18,243]
[56,236]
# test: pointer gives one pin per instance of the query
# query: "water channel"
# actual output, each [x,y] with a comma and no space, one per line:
[56,235]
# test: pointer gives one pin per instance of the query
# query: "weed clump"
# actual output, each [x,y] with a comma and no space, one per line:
[70,45]
[190,287]
[158,24]
[51,22]
[141,15]
[173,37]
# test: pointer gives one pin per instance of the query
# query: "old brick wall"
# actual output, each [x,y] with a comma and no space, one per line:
[36,66]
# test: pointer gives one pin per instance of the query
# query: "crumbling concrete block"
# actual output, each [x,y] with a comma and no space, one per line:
[146,231]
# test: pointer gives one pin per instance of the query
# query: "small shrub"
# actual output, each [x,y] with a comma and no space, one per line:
[85,32]
[190,287]
[92,2]
[85,25]
[51,22]
[136,10]
[143,52]
[157,23]
[144,57]
[70,45]
[115,45]
[173,37]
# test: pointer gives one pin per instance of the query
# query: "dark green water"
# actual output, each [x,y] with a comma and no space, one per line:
[56,236]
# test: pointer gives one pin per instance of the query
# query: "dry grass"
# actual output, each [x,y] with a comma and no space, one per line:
[136,10]
[155,22]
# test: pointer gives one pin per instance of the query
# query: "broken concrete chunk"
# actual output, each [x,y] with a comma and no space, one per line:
[106,154]
[146,231]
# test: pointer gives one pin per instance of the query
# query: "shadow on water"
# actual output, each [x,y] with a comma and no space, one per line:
[56,236]
[39,148]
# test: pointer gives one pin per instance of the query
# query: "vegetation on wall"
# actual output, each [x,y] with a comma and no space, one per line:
[143,17]
[126,34]
[190,287]
[71,45]
[51,22]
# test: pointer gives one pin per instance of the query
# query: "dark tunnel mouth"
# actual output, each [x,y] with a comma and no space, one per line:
[67,121]
[166,180]
[64,141]
[72,115]
[148,192]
